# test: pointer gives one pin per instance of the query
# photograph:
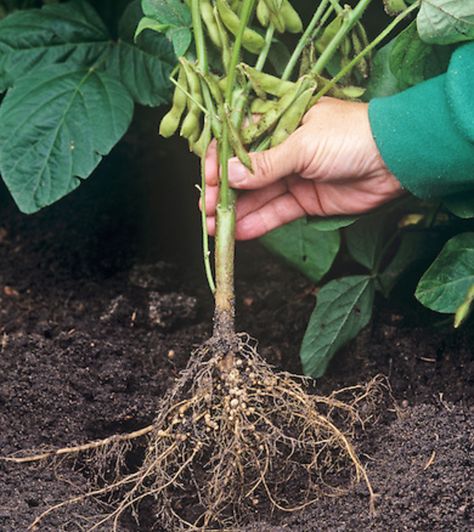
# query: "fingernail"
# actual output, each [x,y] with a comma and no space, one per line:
[237,171]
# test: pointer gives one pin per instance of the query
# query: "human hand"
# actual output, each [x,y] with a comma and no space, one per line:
[329,166]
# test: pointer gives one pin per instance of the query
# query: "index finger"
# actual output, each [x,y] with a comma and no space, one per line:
[212,165]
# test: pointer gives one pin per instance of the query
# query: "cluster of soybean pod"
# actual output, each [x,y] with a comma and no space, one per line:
[199,98]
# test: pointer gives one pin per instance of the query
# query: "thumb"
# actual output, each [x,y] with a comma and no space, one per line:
[268,166]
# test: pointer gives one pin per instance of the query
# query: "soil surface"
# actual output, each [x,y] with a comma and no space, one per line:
[96,321]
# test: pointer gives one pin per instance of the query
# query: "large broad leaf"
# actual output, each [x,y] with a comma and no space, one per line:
[55,126]
[303,246]
[382,82]
[444,285]
[462,205]
[343,309]
[144,66]
[446,21]
[413,61]
[366,238]
[71,32]
[173,18]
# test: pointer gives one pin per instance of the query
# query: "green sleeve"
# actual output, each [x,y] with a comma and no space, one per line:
[425,134]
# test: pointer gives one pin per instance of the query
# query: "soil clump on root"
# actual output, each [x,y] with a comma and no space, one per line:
[232,437]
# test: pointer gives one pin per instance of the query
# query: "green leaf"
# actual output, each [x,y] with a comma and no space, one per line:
[332,223]
[461,205]
[444,285]
[174,19]
[366,238]
[382,82]
[413,61]
[144,66]
[55,126]
[30,39]
[343,309]
[303,246]
[446,21]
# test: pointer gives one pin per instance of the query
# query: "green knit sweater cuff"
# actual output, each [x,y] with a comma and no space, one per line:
[418,138]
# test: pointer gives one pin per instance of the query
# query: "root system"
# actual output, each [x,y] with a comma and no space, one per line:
[234,437]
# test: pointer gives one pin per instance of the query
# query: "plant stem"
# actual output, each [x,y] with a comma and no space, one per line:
[262,57]
[225,219]
[366,50]
[352,17]
[205,236]
[303,41]
[203,64]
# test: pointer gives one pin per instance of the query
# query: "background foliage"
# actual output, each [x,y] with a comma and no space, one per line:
[71,73]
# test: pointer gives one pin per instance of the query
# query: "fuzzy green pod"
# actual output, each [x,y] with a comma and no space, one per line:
[362,65]
[276,18]
[263,13]
[214,87]
[251,40]
[291,118]
[225,47]
[200,146]
[307,60]
[292,20]
[207,14]
[237,145]
[170,122]
[266,83]
[190,128]
[256,129]
[260,107]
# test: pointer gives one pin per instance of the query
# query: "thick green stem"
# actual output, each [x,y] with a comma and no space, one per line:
[352,17]
[224,256]
[225,219]
[304,41]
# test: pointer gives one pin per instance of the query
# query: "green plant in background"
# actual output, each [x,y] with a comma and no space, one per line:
[72,79]
[344,306]
[71,89]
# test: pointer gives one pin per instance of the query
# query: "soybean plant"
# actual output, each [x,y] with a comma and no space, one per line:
[233,433]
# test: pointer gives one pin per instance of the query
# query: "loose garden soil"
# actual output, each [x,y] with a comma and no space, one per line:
[97,319]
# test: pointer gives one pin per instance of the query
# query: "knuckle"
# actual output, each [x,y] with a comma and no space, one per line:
[263,166]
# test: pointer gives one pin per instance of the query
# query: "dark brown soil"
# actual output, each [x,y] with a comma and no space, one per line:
[93,331]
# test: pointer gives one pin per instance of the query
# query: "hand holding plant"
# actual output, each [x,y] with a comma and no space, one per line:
[328,166]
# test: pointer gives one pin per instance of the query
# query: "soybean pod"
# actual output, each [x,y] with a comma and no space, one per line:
[200,146]
[190,128]
[291,118]
[170,122]
[267,83]
[251,40]
[263,13]
[261,107]
[291,19]
[237,144]
[207,15]
[225,48]
[274,10]
[255,130]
